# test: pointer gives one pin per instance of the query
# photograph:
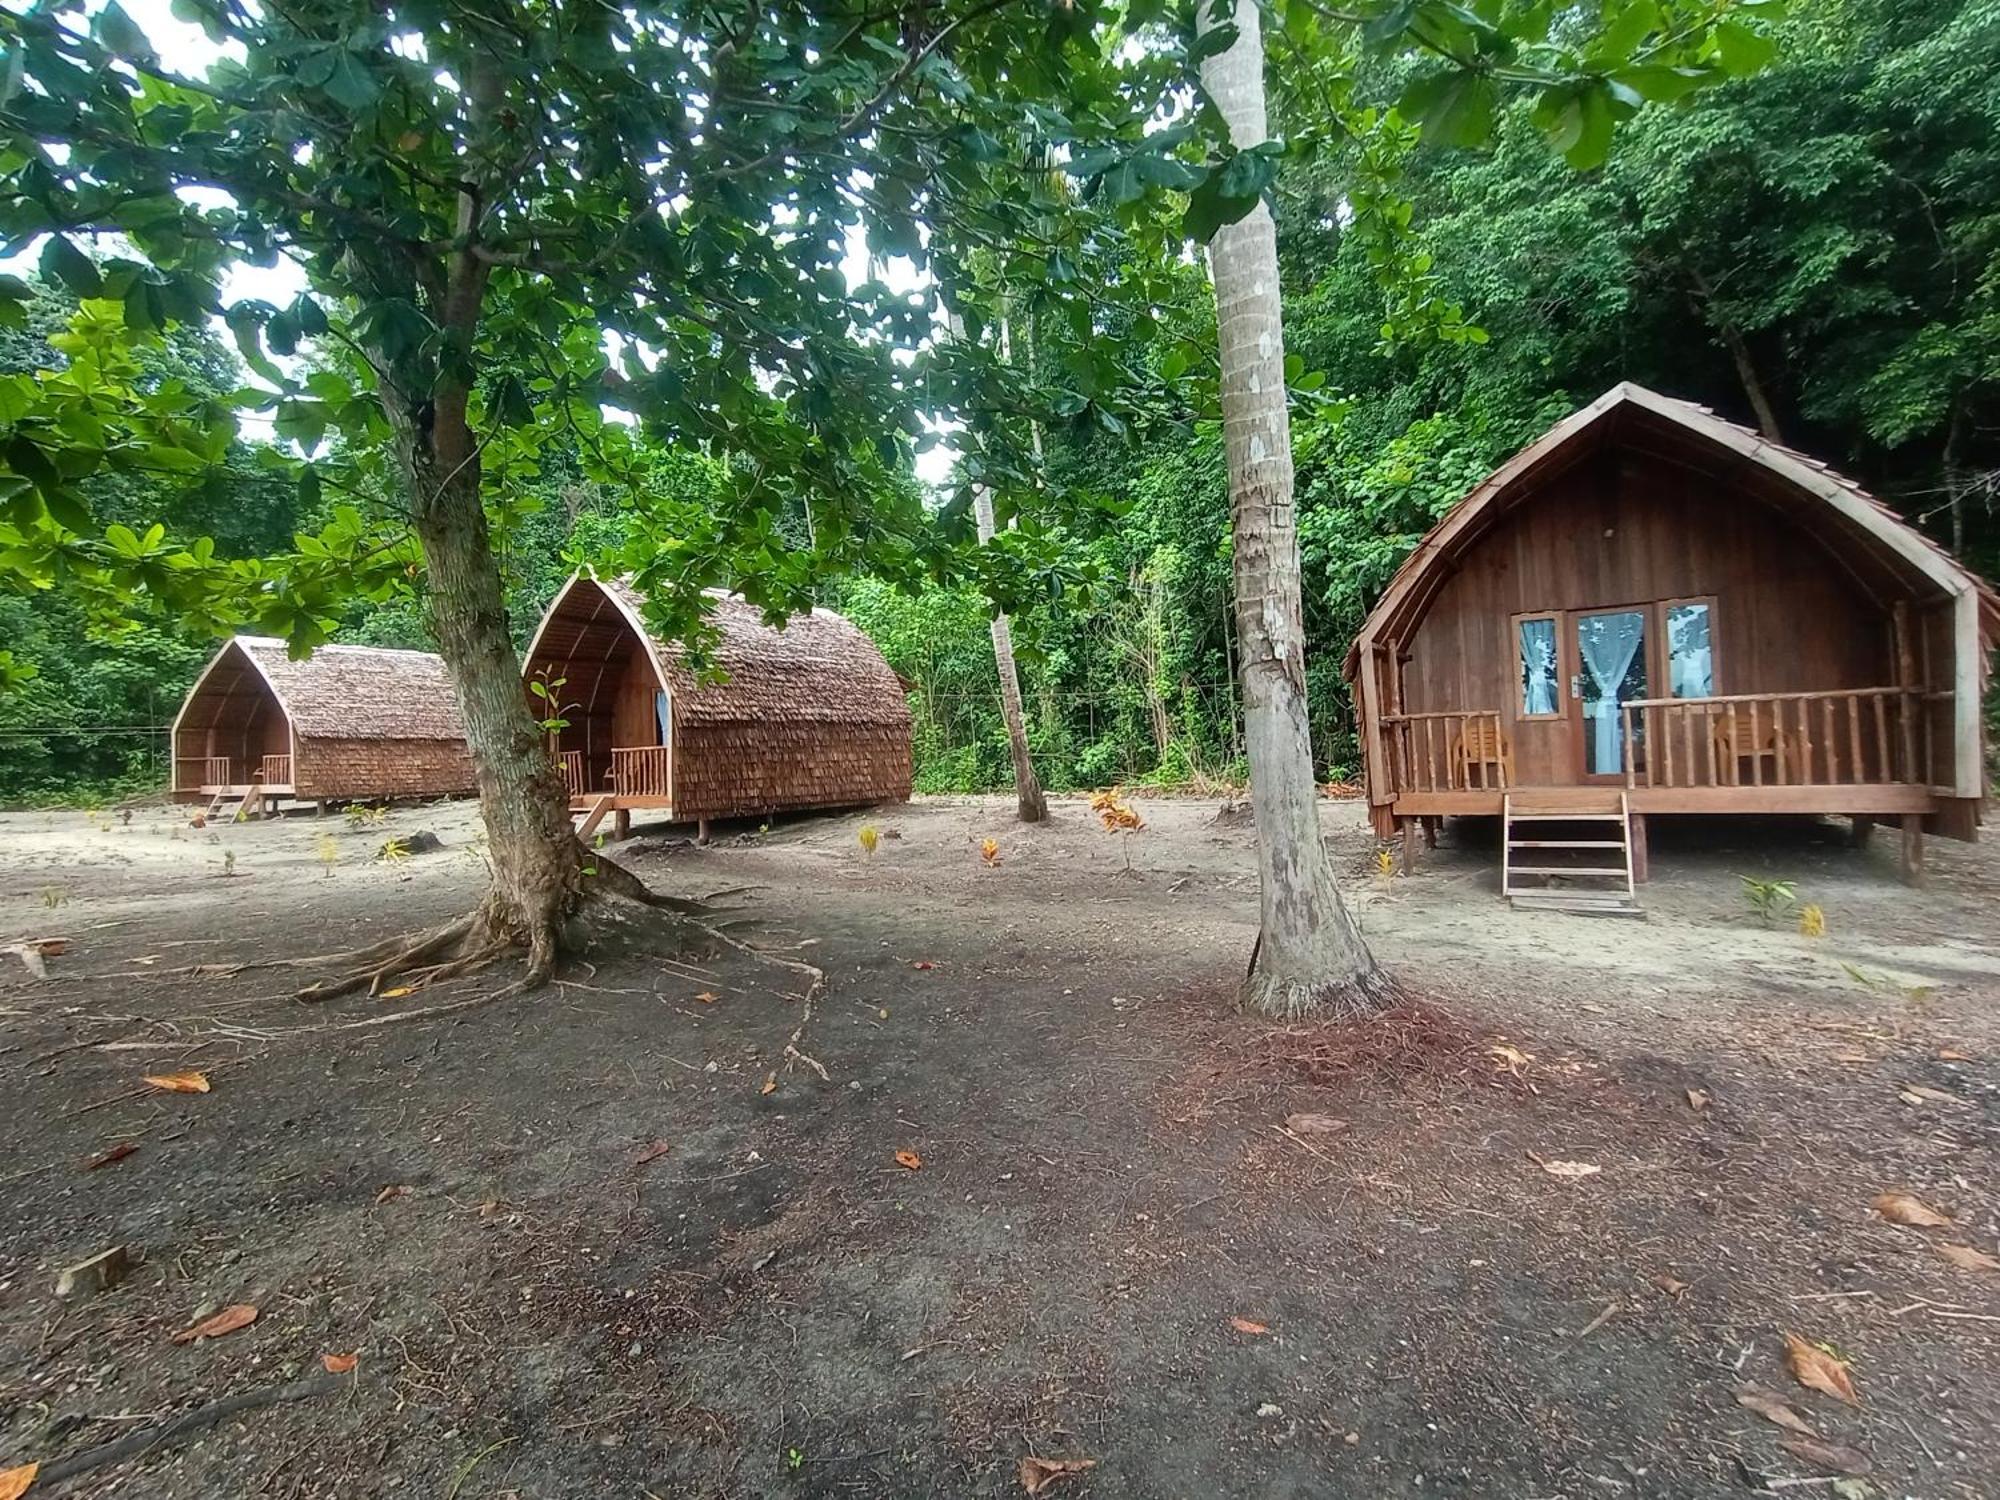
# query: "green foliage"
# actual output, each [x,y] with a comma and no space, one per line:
[1769,899]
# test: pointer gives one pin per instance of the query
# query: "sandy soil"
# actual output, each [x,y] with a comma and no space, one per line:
[547,1303]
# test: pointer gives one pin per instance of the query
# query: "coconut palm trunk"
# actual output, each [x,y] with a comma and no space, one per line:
[1310,959]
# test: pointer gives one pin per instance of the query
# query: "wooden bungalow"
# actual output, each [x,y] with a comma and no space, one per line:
[348,723]
[1650,610]
[809,715]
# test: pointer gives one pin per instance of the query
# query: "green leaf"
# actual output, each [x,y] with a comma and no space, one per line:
[1740,49]
[1214,42]
[69,265]
[121,33]
[349,83]
[1454,107]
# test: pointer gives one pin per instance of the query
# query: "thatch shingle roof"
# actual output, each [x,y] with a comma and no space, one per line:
[817,667]
[359,692]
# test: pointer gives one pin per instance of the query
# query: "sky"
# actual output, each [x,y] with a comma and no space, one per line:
[186,49]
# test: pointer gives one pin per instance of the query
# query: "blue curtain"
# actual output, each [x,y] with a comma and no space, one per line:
[660,713]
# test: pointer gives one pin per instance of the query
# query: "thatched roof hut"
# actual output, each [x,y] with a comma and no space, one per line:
[809,715]
[345,723]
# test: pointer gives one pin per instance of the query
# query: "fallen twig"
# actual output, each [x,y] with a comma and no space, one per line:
[1610,1310]
[173,1434]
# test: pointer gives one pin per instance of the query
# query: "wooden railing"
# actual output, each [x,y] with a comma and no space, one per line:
[277,770]
[640,772]
[1845,737]
[1447,752]
[215,771]
[570,763]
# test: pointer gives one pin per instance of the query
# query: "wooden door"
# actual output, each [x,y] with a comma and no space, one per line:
[1611,652]
[1541,736]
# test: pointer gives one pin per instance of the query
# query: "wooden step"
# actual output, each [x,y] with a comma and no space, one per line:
[1565,843]
[1580,903]
[1555,801]
[1616,872]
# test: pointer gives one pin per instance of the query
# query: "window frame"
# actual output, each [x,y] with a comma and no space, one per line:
[1515,692]
[1715,688]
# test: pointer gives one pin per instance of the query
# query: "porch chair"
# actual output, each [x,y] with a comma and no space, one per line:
[1735,744]
[1482,746]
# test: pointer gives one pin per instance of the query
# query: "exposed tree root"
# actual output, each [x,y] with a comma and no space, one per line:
[480,938]
[373,967]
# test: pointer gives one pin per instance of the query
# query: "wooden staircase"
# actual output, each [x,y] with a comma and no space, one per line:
[595,815]
[235,798]
[1553,837]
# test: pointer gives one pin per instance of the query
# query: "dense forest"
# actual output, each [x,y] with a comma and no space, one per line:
[1813,250]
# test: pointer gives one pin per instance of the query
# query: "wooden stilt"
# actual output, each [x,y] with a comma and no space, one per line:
[701,831]
[1859,831]
[319,807]
[1409,845]
[1431,832]
[1642,857]
[621,823]
[1913,849]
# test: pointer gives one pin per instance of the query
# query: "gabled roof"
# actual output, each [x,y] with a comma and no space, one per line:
[1850,520]
[355,692]
[817,667]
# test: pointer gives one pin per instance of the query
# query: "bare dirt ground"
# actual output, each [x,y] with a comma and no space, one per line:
[582,1247]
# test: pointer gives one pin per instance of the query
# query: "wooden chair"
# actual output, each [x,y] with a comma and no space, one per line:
[1738,740]
[1481,746]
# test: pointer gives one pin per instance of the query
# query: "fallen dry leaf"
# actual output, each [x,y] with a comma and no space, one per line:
[1835,1456]
[1697,1100]
[115,1153]
[1968,1259]
[389,1194]
[1953,1054]
[14,1482]
[1769,1405]
[489,1208]
[708,997]
[989,850]
[339,1364]
[1816,1370]
[242,1315]
[179,1083]
[397,992]
[1571,1168]
[1513,1059]
[1307,1123]
[923,963]
[1037,1474]
[651,1152]
[770,1084]
[909,1159]
[1902,1208]
[1245,1325]
[1672,1285]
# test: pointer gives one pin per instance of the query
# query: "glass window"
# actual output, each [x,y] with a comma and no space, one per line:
[1613,648]
[1537,647]
[1690,662]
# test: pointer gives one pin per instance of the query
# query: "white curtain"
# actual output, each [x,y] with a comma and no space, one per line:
[1538,666]
[660,712]
[1608,643]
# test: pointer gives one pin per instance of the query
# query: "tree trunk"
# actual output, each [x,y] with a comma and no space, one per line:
[1030,805]
[1703,300]
[1310,959]
[531,843]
